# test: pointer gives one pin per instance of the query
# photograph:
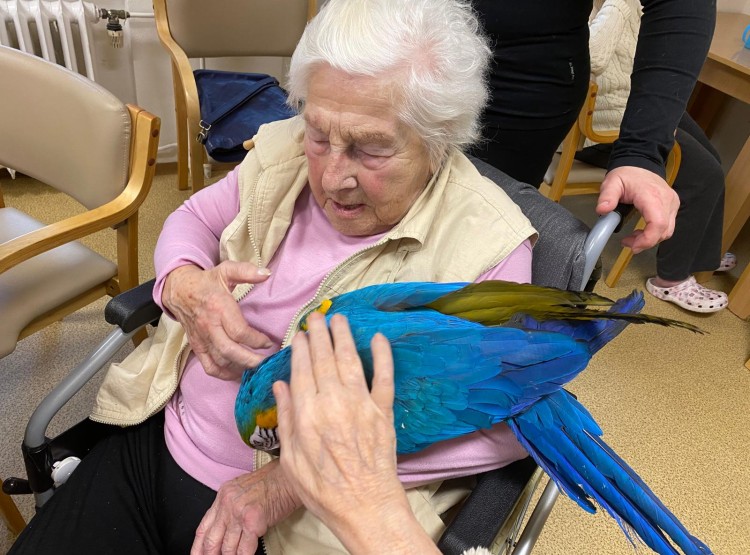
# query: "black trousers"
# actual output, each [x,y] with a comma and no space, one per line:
[128,496]
[523,154]
[538,81]
[695,245]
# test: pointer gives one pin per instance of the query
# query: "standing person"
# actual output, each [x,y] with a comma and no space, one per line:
[367,185]
[539,80]
[695,245]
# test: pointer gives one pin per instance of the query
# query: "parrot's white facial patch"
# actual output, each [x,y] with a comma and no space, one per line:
[264,439]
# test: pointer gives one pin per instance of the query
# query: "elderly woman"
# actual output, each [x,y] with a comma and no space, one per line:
[367,185]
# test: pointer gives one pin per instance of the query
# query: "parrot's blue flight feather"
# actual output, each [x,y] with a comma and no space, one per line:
[469,356]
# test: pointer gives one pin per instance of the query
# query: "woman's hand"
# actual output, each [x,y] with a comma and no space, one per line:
[243,511]
[201,300]
[338,444]
[651,196]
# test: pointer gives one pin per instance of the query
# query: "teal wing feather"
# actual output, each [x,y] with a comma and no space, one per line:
[455,377]
[560,434]
[395,297]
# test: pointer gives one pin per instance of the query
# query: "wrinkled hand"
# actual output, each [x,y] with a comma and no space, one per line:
[651,196]
[338,445]
[243,511]
[201,300]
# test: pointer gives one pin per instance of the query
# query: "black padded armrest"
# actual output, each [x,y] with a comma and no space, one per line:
[487,508]
[134,308]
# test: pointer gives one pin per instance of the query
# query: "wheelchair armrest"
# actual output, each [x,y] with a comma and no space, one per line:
[133,308]
[486,508]
[624,210]
[596,241]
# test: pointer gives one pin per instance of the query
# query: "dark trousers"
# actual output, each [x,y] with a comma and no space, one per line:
[523,154]
[538,82]
[128,496]
[695,245]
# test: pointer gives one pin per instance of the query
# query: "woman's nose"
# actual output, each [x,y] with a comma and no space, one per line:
[340,172]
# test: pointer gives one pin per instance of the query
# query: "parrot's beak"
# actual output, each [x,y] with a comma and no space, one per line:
[265,439]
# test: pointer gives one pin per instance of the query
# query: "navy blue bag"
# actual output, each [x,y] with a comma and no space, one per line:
[233,106]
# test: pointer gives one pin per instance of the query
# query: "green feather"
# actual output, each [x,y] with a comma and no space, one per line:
[494,303]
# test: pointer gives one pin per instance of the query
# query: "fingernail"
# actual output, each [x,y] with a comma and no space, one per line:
[264,271]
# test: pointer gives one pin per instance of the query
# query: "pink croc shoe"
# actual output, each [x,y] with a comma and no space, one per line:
[690,295]
[728,261]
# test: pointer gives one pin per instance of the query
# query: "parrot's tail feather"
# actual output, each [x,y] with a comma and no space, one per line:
[557,432]
[508,298]
[495,303]
[599,328]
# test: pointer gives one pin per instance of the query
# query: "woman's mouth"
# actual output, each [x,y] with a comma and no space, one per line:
[347,210]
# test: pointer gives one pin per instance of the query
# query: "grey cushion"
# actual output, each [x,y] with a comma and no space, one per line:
[558,254]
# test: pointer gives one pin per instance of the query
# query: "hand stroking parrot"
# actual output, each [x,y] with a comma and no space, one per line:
[468,356]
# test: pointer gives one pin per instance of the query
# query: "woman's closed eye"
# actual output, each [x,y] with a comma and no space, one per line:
[369,153]
[318,146]
[373,151]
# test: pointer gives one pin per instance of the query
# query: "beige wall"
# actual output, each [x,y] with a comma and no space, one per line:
[740,6]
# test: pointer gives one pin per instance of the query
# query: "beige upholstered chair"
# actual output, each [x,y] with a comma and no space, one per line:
[568,176]
[221,28]
[69,133]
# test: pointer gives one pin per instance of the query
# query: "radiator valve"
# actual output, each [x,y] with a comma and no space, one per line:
[114,27]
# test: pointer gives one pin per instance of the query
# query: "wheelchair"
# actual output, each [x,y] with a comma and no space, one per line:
[566,255]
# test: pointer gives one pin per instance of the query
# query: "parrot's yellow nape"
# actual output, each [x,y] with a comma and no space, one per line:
[267,419]
[324,307]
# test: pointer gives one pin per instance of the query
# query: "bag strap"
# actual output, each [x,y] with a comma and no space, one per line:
[234,102]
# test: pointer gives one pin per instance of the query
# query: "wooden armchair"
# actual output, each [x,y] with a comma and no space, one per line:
[78,138]
[221,28]
[71,134]
[568,176]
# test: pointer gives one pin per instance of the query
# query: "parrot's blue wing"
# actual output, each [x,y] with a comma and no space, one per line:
[451,381]
[560,434]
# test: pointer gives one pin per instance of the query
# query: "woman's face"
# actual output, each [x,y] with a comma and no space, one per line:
[366,168]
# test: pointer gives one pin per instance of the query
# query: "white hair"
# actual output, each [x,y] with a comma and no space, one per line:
[432,50]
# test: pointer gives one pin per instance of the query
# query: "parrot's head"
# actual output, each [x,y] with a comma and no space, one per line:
[259,430]
[255,407]
[323,308]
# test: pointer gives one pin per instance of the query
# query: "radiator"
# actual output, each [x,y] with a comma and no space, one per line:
[60,31]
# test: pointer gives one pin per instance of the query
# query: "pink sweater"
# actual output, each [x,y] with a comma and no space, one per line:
[199,420]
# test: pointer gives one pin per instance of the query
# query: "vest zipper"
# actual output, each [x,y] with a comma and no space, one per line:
[292,323]
[256,250]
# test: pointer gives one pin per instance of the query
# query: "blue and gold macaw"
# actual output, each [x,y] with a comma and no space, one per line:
[468,356]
